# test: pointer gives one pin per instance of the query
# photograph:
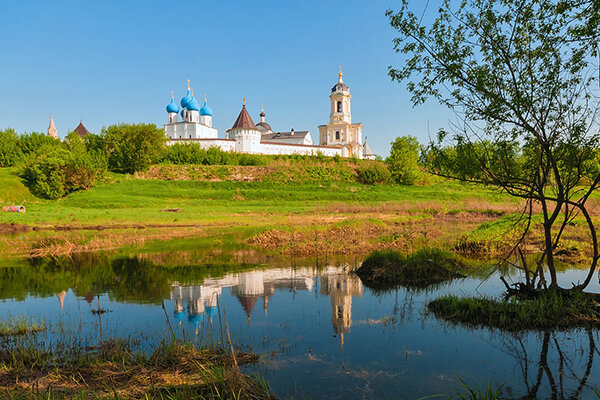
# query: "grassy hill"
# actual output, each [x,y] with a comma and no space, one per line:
[124,199]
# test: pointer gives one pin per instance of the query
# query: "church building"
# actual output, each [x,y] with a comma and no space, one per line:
[339,137]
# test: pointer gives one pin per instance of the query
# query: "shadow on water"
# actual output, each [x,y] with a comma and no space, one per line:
[321,333]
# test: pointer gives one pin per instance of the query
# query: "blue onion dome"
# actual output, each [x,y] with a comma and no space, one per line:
[193,104]
[172,107]
[185,101]
[180,316]
[206,110]
[181,113]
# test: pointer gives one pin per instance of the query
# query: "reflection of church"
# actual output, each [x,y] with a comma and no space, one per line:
[249,287]
[340,287]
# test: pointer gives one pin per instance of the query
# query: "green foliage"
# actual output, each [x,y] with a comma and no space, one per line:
[387,269]
[522,78]
[74,143]
[550,309]
[34,143]
[374,173]
[403,161]
[133,147]
[94,143]
[193,153]
[58,172]
[10,151]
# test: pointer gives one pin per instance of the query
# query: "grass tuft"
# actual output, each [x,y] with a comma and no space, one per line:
[16,326]
[551,309]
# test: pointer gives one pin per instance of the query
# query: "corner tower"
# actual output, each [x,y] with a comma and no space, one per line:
[244,132]
[340,131]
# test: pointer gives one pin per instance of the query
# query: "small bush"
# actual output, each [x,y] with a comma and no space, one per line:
[54,174]
[374,173]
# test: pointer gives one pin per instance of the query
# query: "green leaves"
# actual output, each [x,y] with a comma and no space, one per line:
[133,147]
[403,161]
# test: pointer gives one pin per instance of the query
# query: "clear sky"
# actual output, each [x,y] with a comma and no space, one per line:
[105,62]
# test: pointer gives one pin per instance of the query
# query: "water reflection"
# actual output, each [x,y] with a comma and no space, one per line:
[249,287]
[323,335]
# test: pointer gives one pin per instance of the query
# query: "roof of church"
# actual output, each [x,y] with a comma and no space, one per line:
[82,130]
[339,86]
[284,135]
[367,149]
[264,125]
[243,120]
[247,303]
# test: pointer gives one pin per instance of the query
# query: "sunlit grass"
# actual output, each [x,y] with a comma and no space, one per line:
[20,325]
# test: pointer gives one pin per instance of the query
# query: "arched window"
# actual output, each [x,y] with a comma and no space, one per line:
[337,135]
[339,106]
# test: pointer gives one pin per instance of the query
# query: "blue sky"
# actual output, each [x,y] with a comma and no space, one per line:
[105,62]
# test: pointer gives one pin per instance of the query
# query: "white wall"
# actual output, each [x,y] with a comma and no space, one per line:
[278,148]
[189,130]
[223,144]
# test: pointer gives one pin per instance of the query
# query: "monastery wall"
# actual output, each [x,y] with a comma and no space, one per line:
[274,148]
[223,144]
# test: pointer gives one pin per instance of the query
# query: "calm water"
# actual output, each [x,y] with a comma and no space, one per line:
[322,334]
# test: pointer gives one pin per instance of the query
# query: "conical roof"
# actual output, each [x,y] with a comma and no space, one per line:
[243,120]
[248,303]
[52,129]
[367,149]
[82,130]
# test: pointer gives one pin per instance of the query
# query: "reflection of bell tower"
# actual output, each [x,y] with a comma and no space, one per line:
[340,288]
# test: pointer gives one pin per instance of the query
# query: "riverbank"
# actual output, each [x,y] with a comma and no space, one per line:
[115,369]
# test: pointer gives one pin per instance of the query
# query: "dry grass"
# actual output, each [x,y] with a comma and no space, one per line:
[363,236]
[68,243]
[114,370]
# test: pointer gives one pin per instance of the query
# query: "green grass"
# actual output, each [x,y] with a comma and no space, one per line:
[122,199]
[428,266]
[17,326]
[12,190]
[549,310]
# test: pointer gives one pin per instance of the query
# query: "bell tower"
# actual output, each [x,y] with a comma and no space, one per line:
[340,102]
[340,131]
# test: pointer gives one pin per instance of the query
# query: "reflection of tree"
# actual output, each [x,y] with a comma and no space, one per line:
[555,368]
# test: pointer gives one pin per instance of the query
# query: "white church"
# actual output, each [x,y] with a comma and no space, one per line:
[339,137]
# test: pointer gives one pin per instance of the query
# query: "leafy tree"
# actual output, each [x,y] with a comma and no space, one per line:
[10,152]
[133,147]
[403,161]
[516,71]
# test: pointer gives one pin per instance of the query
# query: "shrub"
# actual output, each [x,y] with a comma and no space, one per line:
[34,142]
[54,174]
[403,160]
[10,152]
[133,147]
[374,173]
